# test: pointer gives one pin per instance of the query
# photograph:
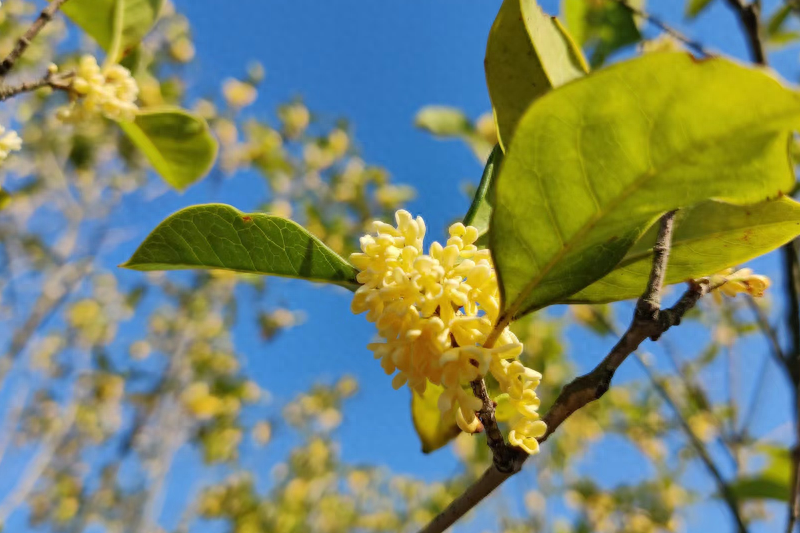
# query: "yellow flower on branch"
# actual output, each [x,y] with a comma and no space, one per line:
[109,91]
[434,312]
[730,283]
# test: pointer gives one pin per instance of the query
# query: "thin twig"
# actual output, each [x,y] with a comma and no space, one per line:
[503,455]
[697,46]
[722,486]
[57,82]
[749,14]
[694,440]
[23,42]
[648,322]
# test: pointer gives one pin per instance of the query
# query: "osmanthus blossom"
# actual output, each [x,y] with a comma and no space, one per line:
[731,282]
[434,313]
[9,142]
[94,90]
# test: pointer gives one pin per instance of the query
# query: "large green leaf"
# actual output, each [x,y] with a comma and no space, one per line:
[603,25]
[98,19]
[708,237]
[480,211]
[528,53]
[218,236]
[433,430]
[177,143]
[596,162]
[772,483]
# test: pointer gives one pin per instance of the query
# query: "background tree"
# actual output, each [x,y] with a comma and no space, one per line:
[115,384]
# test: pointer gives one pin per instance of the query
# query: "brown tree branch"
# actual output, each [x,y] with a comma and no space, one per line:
[503,455]
[648,322]
[690,43]
[749,14]
[24,42]
[59,82]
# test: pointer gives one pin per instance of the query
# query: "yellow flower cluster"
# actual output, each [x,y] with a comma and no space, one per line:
[435,312]
[9,142]
[730,283]
[109,91]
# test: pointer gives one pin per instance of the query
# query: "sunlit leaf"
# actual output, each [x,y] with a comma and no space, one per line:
[708,238]
[480,211]
[443,121]
[596,162]
[433,429]
[451,123]
[177,143]
[217,236]
[695,7]
[528,53]
[775,31]
[772,483]
[605,26]
[97,19]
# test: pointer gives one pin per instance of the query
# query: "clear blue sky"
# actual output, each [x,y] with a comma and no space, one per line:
[375,63]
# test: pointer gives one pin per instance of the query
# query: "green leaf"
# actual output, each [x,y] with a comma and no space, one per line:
[177,143]
[218,236]
[594,163]
[5,198]
[97,19]
[528,53]
[708,238]
[443,121]
[604,25]
[777,35]
[772,483]
[695,7]
[480,211]
[433,430]
[451,123]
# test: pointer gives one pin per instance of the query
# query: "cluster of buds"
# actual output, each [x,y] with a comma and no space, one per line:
[435,312]
[109,91]
[731,282]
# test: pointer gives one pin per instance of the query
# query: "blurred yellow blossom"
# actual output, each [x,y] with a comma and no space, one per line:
[110,92]
[238,93]
[9,142]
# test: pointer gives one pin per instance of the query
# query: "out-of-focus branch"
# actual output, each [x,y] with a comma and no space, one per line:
[692,44]
[700,448]
[749,14]
[58,82]
[24,42]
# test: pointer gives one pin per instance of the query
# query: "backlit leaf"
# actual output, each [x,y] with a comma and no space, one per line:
[528,53]
[217,236]
[433,429]
[177,143]
[594,163]
[605,26]
[708,238]
[695,7]
[97,19]
[480,211]
[772,483]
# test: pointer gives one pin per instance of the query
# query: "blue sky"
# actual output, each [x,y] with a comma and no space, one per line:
[375,63]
